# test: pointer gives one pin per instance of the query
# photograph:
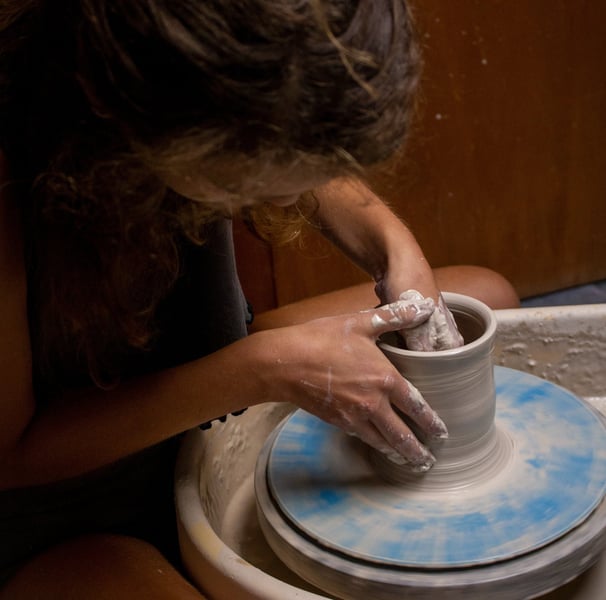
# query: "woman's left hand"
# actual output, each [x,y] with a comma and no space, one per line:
[440,331]
[358,222]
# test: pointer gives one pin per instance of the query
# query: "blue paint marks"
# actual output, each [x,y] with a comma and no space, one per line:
[472,521]
[543,508]
[329,497]
[505,514]
[528,395]
[552,486]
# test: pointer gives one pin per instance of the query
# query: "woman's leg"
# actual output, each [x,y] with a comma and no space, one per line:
[478,282]
[99,567]
[484,284]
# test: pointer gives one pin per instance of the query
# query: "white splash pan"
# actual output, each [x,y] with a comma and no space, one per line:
[221,543]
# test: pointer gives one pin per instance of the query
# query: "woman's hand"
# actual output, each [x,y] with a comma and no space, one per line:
[332,368]
[358,222]
[439,332]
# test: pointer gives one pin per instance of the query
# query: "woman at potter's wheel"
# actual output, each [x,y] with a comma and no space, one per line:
[132,131]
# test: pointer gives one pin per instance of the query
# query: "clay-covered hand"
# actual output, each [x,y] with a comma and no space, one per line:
[333,368]
[439,332]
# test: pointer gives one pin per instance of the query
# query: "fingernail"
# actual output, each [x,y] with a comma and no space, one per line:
[422,467]
[419,464]
[425,461]
[416,467]
[439,429]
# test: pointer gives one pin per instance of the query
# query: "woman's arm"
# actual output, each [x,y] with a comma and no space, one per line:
[314,365]
[372,236]
[89,428]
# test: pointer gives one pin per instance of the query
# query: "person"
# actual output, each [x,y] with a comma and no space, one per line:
[132,131]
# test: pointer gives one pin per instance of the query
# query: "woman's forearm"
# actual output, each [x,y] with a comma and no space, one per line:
[90,428]
[371,235]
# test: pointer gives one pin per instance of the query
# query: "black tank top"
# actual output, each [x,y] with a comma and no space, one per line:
[205,311]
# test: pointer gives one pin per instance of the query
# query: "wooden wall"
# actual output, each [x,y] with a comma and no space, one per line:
[506,167]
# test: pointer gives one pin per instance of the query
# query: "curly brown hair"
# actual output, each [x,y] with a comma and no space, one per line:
[100,97]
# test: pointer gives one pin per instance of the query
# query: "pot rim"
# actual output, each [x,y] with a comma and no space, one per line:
[464,304]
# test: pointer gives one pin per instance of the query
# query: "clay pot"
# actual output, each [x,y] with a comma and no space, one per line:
[459,385]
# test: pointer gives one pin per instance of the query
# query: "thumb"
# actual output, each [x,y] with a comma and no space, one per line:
[402,314]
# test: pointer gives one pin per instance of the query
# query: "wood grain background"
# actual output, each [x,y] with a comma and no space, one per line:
[506,167]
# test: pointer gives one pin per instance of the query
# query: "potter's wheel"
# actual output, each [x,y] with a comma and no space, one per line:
[531,519]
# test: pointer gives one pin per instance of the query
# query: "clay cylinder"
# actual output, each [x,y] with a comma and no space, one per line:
[457,383]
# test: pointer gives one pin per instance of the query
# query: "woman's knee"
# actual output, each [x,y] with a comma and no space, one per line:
[482,283]
[99,567]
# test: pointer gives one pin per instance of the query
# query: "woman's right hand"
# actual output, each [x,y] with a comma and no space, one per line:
[332,368]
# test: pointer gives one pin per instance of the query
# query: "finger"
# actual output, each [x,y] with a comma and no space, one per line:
[451,337]
[439,332]
[407,399]
[419,338]
[408,449]
[402,314]
[369,434]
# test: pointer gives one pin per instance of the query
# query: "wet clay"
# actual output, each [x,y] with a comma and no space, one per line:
[459,385]
[494,499]
[221,540]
